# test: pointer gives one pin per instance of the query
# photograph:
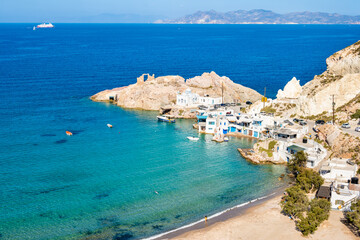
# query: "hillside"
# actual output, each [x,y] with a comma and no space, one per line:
[340,81]
[260,16]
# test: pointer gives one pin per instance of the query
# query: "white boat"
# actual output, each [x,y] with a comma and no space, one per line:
[45,25]
[193,138]
[109,125]
[34,28]
[226,139]
[166,118]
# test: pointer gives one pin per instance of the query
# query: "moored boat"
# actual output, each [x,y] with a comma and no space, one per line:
[69,133]
[166,118]
[193,138]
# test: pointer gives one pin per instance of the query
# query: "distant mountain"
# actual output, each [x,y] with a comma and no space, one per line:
[260,16]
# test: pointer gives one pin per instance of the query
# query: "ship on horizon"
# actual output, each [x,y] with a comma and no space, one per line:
[45,25]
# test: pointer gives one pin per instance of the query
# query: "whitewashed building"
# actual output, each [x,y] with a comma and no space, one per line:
[345,188]
[206,100]
[189,99]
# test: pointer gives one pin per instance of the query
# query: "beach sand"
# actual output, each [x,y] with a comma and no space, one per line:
[265,221]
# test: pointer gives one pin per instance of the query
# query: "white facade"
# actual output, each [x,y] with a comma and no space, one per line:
[343,194]
[338,170]
[210,125]
[209,100]
[316,152]
[189,99]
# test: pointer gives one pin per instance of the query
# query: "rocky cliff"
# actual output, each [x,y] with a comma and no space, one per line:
[341,79]
[154,93]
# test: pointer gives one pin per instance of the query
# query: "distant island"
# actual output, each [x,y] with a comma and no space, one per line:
[260,16]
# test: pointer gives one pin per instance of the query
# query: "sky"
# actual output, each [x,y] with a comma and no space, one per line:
[80,10]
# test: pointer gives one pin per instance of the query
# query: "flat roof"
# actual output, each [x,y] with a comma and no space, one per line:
[296,148]
[285,131]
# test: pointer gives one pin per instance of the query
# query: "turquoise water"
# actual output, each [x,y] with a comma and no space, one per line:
[103,179]
[100,183]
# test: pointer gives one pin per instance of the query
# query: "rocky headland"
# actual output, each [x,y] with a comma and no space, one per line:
[314,99]
[155,93]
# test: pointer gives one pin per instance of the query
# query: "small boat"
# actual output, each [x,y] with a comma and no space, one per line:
[193,138]
[69,133]
[34,28]
[226,139]
[166,118]
[45,25]
[109,125]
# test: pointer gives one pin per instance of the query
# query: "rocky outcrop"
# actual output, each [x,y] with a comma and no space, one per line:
[341,79]
[291,90]
[262,153]
[343,145]
[155,93]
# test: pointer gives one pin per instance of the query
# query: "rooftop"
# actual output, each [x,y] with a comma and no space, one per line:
[296,148]
[324,192]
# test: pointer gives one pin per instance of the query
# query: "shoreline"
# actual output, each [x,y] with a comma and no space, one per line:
[218,217]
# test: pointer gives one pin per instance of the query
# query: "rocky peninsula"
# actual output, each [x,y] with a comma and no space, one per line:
[155,93]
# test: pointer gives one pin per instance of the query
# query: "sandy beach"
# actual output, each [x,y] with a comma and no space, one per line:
[265,221]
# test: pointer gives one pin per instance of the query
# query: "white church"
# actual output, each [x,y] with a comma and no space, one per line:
[189,99]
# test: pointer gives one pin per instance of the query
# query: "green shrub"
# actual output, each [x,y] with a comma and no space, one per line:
[309,180]
[308,224]
[356,115]
[297,162]
[272,145]
[318,212]
[353,217]
[268,109]
[295,202]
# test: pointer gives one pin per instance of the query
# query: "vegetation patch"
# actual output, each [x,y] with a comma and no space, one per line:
[269,152]
[308,215]
[268,109]
[356,115]
[353,216]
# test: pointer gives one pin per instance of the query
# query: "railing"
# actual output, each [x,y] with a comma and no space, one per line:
[349,202]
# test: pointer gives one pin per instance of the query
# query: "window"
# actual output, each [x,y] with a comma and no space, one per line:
[210,129]
[339,202]
[211,123]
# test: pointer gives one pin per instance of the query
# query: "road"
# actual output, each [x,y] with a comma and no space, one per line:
[352,130]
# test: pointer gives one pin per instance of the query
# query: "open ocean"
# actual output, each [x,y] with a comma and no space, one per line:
[100,183]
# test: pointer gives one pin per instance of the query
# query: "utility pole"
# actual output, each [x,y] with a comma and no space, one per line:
[264,97]
[333,109]
[222,92]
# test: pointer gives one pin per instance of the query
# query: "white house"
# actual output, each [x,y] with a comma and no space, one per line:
[210,124]
[338,170]
[343,194]
[315,151]
[206,100]
[345,188]
[187,98]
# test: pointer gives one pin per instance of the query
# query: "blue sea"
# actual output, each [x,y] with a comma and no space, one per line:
[141,177]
